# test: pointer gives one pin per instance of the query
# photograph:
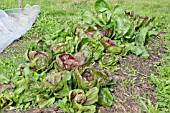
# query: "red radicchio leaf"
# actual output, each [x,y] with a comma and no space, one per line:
[87,75]
[106,32]
[32,55]
[80,58]
[132,14]
[161,33]
[103,32]
[90,34]
[70,61]
[127,13]
[107,42]
[42,54]
[144,17]
[112,42]
[79,97]
[90,30]
[66,56]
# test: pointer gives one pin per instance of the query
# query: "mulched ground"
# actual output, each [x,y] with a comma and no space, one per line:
[132,81]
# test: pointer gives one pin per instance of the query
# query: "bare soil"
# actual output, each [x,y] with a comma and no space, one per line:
[138,83]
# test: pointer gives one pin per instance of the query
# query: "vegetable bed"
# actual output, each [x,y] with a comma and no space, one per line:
[73,67]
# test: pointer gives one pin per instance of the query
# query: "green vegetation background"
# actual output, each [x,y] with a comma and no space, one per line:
[55,11]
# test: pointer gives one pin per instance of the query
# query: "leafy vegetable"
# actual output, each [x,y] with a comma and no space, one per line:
[83,102]
[105,97]
[68,62]
[72,67]
[89,78]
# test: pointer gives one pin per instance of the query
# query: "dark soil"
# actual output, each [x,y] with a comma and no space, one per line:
[138,81]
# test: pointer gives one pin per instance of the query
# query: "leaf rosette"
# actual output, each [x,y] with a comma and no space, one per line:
[89,78]
[91,48]
[68,62]
[39,60]
[83,101]
[56,81]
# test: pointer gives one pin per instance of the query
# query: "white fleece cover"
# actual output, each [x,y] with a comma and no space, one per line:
[16,22]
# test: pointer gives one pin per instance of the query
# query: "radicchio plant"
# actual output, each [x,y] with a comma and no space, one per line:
[68,62]
[39,60]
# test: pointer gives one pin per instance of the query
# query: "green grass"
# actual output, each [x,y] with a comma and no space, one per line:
[162,83]
[54,12]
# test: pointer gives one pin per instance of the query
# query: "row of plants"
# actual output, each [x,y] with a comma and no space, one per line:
[72,68]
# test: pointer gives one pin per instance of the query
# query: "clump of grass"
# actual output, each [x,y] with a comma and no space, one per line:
[162,83]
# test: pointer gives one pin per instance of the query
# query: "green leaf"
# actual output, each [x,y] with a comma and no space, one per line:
[77,97]
[140,39]
[46,102]
[5,99]
[4,78]
[55,81]
[64,105]
[105,97]
[92,96]
[101,6]
[21,88]
[90,48]
[114,49]
[108,59]
[96,79]
[63,92]
[87,17]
